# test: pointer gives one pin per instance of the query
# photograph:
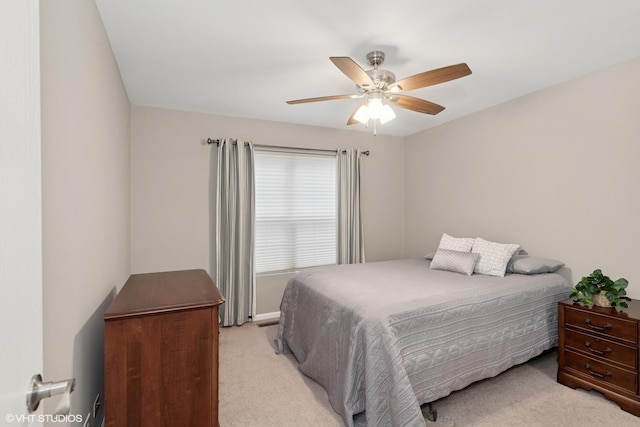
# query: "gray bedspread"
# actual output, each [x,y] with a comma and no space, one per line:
[386,337]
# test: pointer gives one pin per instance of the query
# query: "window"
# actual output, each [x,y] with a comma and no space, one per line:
[296,215]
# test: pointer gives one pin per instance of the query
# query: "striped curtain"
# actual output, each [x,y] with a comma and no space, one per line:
[350,232]
[234,231]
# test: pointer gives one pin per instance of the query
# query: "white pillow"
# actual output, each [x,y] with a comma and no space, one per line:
[460,244]
[494,257]
[456,261]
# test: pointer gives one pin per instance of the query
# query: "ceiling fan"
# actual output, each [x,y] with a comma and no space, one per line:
[379,88]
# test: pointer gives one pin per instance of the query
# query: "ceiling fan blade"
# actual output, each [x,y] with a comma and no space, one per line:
[416,104]
[322,98]
[433,77]
[352,70]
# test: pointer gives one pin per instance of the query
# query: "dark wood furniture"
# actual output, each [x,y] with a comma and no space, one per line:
[598,349]
[161,351]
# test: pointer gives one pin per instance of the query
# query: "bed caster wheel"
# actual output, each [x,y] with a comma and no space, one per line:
[431,414]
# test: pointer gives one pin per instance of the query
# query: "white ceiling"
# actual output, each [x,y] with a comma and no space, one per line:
[246,58]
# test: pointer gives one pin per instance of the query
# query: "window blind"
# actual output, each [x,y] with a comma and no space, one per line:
[295,205]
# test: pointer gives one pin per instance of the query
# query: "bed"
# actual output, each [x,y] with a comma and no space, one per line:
[383,338]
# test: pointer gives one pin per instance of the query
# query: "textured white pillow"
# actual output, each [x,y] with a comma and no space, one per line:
[456,261]
[494,257]
[460,244]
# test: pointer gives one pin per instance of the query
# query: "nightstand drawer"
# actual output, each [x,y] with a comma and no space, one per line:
[602,372]
[599,324]
[600,347]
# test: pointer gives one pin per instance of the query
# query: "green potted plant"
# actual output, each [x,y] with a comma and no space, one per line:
[598,289]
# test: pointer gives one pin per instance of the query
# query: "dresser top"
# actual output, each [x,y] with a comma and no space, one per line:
[631,313]
[152,293]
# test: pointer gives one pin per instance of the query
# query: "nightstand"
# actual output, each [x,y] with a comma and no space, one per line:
[598,349]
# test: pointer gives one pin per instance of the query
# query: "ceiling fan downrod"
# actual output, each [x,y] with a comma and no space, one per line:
[375,58]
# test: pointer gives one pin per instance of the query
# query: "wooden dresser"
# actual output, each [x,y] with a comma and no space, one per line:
[598,349]
[161,351]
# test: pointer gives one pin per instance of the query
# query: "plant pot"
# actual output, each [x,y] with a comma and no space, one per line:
[601,300]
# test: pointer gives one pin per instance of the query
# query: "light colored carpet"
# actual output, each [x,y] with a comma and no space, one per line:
[261,388]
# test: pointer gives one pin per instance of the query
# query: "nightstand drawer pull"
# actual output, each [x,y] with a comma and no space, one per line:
[598,352]
[597,374]
[597,328]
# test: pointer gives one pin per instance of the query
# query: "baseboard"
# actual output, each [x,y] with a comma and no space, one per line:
[266,316]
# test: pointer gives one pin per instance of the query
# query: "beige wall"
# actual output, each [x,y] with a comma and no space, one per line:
[85,187]
[171,174]
[555,171]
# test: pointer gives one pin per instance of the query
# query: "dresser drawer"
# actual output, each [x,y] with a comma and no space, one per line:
[601,347]
[602,372]
[604,325]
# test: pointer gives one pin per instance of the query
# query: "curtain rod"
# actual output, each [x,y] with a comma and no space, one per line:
[217,142]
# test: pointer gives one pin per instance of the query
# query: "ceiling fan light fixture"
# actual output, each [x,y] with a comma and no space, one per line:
[374,106]
[386,114]
[362,114]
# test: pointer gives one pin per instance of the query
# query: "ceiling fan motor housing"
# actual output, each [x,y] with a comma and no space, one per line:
[381,78]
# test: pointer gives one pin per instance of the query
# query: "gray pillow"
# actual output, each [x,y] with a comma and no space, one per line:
[456,261]
[429,256]
[525,264]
